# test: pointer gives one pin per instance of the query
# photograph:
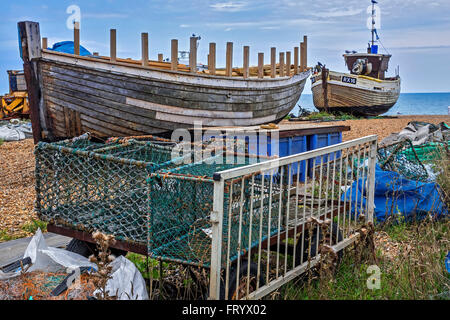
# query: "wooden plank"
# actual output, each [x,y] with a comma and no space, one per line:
[174,55]
[161,92]
[193,55]
[296,60]
[73,119]
[229,59]
[162,75]
[78,123]
[44,43]
[305,49]
[30,44]
[260,65]
[148,92]
[76,39]
[144,45]
[113,45]
[67,121]
[212,58]
[302,57]
[246,62]
[281,71]
[288,63]
[273,62]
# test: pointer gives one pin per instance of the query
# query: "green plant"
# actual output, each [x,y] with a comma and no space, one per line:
[1,141]
[411,262]
[140,262]
[34,225]
[4,236]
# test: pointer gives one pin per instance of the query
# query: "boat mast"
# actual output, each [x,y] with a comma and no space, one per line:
[373,22]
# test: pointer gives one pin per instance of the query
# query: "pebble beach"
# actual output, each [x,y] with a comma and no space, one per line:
[17,181]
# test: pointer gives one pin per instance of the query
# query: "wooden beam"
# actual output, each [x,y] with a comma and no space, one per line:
[30,43]
[246,62]
[273,62]
[160,57]
[302,57]
[212,58]
[288,63]
[295,60]
[174,55]
[281,64]
[113,45]
[193,55]
[305,44]
[229,60]
[144,41]
[76,39]
[260,65]
[44,43]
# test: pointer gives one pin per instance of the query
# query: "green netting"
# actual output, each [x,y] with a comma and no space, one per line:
[135,191]
[181,201]
[426,152]
[91,191]
[401,158]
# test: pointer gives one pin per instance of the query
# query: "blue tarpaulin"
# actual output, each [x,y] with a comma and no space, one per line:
[68,47]
[396,195]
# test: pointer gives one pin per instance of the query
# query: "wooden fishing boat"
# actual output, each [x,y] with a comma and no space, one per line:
[364,91]
[107,96]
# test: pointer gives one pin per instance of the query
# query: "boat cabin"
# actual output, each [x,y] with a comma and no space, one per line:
[368,64]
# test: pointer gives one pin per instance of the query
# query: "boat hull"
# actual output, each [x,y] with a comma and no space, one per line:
[359,95]
[89,95]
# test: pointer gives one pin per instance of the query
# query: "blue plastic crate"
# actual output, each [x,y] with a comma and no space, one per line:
[322,140]
[287,146]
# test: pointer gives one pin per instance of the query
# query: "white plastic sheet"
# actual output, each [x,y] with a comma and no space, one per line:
[126,279]
[15,130]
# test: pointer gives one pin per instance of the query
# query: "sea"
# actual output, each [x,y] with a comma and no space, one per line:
[407,104]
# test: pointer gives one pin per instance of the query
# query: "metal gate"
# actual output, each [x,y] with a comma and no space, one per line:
[271,221]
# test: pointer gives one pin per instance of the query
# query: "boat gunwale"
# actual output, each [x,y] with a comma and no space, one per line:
[343,84]
[290,81]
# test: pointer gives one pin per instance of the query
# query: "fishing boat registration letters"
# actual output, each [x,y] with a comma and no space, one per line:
[349,80]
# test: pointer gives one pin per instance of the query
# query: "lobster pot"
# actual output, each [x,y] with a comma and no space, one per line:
[97,190]
[181,202]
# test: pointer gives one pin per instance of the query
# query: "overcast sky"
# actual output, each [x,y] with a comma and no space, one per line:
[415,32]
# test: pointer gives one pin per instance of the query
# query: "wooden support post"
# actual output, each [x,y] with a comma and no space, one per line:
[193,55]
[76,39]
[144,40]
[260,65]
[295,60]
[229,60]
[273,62]
[174,55]
[246,71]
[281,72]
[160,57]
[212,58]
[30,44]
[302,57]
[288,64]
[44,43]
[305,49]
[112,45]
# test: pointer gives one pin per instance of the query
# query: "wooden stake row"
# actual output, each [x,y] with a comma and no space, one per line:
[300,61]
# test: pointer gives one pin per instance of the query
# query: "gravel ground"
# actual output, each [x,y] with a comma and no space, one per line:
[381,127]
[17,192]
